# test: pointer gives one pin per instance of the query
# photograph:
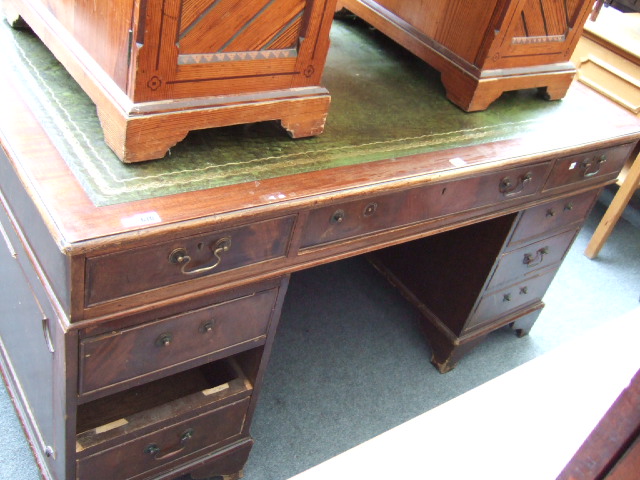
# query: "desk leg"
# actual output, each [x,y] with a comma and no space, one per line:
[445,354]
[227,466]
[523,325]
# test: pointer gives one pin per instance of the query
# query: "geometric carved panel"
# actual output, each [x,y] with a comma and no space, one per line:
[239,26]
[543,21]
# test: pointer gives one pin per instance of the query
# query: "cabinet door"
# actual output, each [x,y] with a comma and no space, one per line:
[538,32]
[25,341]
[196,48]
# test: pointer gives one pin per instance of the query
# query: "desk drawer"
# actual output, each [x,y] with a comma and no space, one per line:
[527,260]
[601,164]
[347,220]
[161,422]
[551,216]
[126,354]
[496,305]
[117,275]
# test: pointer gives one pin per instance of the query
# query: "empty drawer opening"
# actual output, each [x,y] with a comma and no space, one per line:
[171,398]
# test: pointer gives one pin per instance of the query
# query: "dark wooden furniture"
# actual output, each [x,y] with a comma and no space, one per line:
[612,450]
[158,69]
[483,49]
[135,331]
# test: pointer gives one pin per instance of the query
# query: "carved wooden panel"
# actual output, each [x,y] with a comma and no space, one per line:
[536,28]
[545,21]
[219,47]
[226,26]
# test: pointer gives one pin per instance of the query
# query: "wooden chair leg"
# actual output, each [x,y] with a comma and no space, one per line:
[613,213]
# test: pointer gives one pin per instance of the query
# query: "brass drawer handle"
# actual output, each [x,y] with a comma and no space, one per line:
[180,257]
[534,260]
[508,189]
[587,165]
[154,450]
[47,335]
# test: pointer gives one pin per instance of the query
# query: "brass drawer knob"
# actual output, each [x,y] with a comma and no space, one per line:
[338,216]
[370,209]
[164,340]
[207,326]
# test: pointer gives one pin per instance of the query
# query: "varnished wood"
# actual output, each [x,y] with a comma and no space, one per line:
[614,212]
[608,60]
[483,49]
[108,287]
[232,63]
[611,450]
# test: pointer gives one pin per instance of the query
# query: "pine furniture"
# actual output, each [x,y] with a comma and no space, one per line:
[608,60]
[158,69]
[483,49]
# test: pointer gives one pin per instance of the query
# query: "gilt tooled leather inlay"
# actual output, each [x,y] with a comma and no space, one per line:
[385,104]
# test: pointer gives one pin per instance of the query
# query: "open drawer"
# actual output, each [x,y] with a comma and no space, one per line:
[146,427]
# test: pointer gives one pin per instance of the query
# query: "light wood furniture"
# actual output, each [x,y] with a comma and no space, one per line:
[483,49]
[608,60]
[135,333]
[158,69]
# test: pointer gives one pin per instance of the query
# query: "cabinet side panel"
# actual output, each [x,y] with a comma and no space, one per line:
[26,359]
[458,25]
[40,240]
[101,28]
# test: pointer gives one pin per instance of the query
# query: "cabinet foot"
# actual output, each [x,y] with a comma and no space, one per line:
[304,125]
[231,476]
[225,466]
[446,356]
[476,94]
[135,140]
[522,325]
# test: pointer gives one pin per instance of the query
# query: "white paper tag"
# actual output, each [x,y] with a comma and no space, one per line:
[457,162]
[147,218]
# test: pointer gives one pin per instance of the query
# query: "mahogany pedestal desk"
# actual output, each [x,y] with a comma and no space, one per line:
[139,302]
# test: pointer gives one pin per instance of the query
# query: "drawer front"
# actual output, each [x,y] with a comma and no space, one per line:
[496,305]
[601,164]
[552,216]
[165,445]
[348,220]
[120,274]
[126,354]
[527,260]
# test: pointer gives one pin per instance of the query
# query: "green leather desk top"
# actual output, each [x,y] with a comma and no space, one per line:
[385,104]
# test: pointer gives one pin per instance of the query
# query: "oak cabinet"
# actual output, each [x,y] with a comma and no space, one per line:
[483,49]
[157,69]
